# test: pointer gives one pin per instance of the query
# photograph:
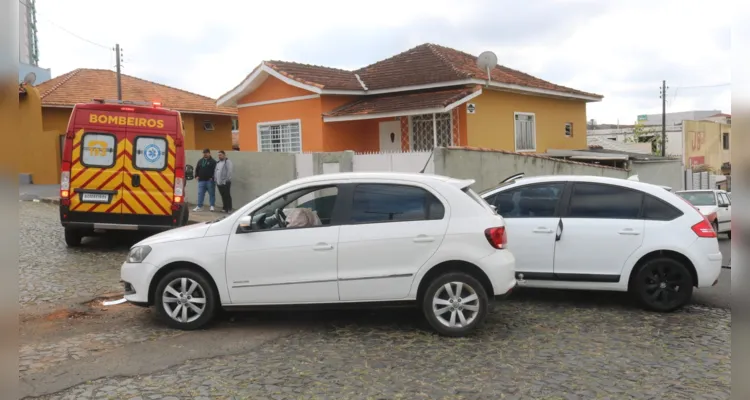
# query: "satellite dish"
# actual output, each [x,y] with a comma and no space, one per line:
[29,79]
[487,61]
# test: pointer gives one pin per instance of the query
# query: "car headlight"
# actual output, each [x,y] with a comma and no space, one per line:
[138,254]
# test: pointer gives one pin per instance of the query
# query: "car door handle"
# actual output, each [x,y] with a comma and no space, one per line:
[322,247]
[423,239]
[629,231]
[542,229]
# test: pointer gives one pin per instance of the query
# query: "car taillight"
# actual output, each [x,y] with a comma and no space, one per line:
[179,190]
[497,237]
[65,184]
[704,229]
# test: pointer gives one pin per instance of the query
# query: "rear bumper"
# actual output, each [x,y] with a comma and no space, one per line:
[707,260]
[500,268]
[121,222]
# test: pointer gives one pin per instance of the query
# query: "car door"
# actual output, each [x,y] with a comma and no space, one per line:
[275,265]
[531,214]
[724,215]
[391,231]
[600,228]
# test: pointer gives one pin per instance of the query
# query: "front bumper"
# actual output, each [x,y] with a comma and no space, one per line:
[136,279]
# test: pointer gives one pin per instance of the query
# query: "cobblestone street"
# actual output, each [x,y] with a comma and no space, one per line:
[52,275]
[538,344]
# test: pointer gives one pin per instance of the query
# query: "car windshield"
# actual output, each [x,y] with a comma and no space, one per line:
[699,198]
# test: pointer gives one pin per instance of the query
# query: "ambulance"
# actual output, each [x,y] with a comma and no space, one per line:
[123,168]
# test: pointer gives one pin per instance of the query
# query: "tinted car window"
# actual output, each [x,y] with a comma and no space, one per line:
[592,200]
[699,198]
[659,210]
[723,198]
[530,201]
[393,203]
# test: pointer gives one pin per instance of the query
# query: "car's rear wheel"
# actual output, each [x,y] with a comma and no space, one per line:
[73,237]
[185,299]
[663,284]
[455,304]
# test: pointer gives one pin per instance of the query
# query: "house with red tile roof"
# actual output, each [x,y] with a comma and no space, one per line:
[206,124]
[427,96]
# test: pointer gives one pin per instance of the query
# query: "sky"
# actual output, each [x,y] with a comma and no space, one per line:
[619,49]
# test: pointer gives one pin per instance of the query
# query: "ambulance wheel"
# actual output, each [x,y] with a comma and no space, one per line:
[185,216]
[73,237]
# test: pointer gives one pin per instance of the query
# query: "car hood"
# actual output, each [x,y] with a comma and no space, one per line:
[707,210]
[182,233]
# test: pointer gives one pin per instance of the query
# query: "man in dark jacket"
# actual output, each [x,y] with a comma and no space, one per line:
[204,172]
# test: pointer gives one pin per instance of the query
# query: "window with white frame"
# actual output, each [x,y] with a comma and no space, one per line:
[235,125]
[525,131]
[280,137]
[423,134]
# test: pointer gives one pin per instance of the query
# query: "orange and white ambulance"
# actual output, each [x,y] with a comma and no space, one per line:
[123,168]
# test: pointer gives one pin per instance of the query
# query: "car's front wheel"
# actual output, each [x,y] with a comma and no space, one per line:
[455,304]
[663,284]
[185,299]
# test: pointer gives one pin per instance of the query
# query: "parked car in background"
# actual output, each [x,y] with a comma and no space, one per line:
[597,233]
[715,205]
[359,238]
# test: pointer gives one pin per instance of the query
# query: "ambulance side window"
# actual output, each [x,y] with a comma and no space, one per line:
[98,150]
[151,153]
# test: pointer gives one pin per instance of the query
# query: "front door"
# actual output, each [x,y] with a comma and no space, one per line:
[531,213]
[390,136]
[392,230]
[273,264]
[599,232]
[724,215]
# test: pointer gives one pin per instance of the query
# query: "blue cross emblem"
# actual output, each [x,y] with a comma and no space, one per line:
[152,153]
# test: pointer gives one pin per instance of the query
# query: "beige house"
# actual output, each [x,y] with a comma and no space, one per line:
[706,143]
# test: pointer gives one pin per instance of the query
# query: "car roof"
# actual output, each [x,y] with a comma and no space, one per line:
[400,176]
[647,187]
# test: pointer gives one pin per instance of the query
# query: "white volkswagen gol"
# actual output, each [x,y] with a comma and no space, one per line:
[337,238]
[597,233]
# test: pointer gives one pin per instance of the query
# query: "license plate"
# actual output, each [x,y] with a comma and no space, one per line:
[95,198]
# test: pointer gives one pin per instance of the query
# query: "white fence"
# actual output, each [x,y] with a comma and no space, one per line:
[702,180]
[395,162]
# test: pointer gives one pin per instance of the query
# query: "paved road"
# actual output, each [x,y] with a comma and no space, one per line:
[539,344]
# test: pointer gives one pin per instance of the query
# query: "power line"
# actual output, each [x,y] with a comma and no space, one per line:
[703,86]
[66,30]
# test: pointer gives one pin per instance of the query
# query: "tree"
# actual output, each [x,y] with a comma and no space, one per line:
[642,134]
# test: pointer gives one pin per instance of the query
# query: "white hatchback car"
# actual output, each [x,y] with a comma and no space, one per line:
[716,205]
[597,233]
[334,239]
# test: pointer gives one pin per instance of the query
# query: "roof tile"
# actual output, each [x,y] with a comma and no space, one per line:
[402,102]
[83,85]
[318,76]
[422,65]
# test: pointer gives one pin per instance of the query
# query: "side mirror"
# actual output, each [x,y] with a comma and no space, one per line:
[189,174]
[246,224]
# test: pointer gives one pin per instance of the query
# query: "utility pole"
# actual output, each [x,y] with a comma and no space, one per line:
[119,83]
[663,118]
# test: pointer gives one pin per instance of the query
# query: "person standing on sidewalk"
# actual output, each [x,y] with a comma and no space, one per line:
[223,179]
[204,171]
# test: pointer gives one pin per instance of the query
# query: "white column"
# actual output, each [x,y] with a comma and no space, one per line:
[434,131]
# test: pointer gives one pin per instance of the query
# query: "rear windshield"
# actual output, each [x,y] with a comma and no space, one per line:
[699,198]
[474,196]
